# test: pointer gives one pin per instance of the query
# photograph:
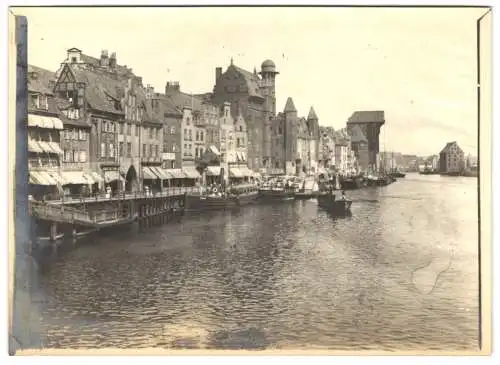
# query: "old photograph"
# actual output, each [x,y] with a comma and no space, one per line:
[250,178]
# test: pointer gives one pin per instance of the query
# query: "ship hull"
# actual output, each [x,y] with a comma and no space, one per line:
[196,203]
[334,206]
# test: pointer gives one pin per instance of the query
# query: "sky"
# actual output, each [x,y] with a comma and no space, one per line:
[416,64]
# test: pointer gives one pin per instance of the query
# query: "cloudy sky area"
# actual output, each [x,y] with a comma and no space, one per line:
[418,65]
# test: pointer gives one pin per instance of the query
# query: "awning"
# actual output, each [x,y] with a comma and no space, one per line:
[214,149]
[243,156]
[235,172]
[75,178]
[33,146]
[50,147]
[55,147]
[42,121]
[190,172]
[148,174]
[176,173]
[213,170]
[245,171]
[41,178]
[111,176]
[93,176]
[161,173]
[56,177]
[156,172]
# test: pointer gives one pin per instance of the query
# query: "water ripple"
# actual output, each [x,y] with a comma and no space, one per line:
[400,274]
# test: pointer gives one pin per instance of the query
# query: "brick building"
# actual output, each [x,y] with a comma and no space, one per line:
[369,122]
[451,159]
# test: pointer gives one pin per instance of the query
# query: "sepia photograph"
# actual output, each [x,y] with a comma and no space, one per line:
[263,179]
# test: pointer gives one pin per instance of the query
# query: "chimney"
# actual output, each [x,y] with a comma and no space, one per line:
[172,86]
[104,58]
[218,73]
[112,60]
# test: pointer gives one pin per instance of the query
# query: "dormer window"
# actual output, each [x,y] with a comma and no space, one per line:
[73,59]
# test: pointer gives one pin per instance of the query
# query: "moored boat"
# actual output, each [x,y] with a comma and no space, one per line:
[330,203]
[235,196]
[351,182]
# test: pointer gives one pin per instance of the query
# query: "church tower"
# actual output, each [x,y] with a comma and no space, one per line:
[268,89]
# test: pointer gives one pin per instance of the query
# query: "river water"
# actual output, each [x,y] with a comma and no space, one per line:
[400,274]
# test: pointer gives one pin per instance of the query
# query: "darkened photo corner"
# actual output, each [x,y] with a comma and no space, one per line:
[210,192]
[23,333]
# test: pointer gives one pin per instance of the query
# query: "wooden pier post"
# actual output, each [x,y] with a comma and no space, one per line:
[53,231]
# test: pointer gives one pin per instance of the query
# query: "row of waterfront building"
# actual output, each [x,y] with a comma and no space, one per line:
[93,123]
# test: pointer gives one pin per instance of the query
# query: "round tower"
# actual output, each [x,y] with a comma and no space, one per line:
[268,73]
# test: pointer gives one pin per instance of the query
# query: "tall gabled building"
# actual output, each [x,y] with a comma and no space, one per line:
[254,96]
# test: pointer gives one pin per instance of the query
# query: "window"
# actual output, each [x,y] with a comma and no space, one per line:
[120,149]
[188,120]
[111,127]
[73,59]
[172,130]
[129,149]
[122,128]
[74,134]
[196,152]
[241,128]
[237,142]
[129,129]
[201,136]
[185,147]
[67,155]
[75,156]
[197,135]
[34,101]
[111,150]
[165,148]
[103,150]
[185,134]
[190,135]
[174,147]
[83,156]
[150,150]
[156,151]
[144,150]
[136,127]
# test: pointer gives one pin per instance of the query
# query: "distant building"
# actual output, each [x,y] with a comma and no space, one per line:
[451,158]
[369,122]
[471,162]
[326,158]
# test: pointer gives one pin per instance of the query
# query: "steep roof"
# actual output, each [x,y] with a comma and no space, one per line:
[449,145]
[357,135]
[102,91]
[40,83]
[312,114]
[180,100]
[289,106]
[95,62]
[367,116]
[165,106]
[252,81]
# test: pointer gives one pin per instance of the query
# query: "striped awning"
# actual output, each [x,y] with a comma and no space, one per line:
[43,121]
[161,173]
[235,172]
[56,176]
[147,174]
[93,176]
[214,150]
[41,178]
[33,146]
[111,175]
[54,146]
[246,171]
[176,173]
[76,178]
[190,172]
[213,170]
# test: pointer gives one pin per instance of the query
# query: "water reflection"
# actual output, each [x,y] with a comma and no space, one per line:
[280,276]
